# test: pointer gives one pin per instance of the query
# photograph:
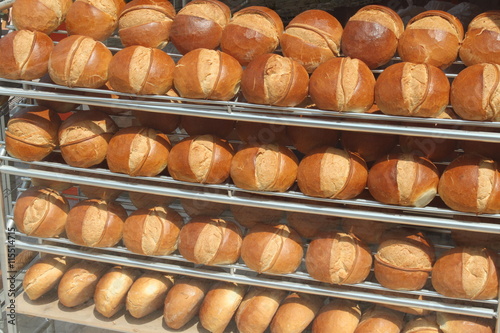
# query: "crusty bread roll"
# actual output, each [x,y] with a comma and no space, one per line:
[199,24]
[275,249]
[57,106]
[305,139]
[466,272]
[98,192]
[253,133]
[342,314]
[342,84]
[312,38]
[295,313]
[183,301]
[111,290]
[199,126]
[148,293]
[146,200]
[96,223]
[257,309]
[252,31]
[380,319]
[40,15]
[194,208]
[308,225]
[31,133]
[250,216]
[425,324]
[453,323]
[44,275]
[80,61]
[480,43]
[41,212]
[372,35]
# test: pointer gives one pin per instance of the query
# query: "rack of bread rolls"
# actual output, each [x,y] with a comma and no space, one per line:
[288,176]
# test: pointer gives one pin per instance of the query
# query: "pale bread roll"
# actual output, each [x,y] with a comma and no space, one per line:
[148,293]
[44,275]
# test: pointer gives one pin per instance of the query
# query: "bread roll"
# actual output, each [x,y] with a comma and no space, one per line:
[219,305]
[31,133]
[138,151]
[41,212]
[250,216]
[252,31]
[342,314]
[380,319]
[183,301]
[199,126]
[44,275]
[275,249]
[466,238]
[370,146]
[78,284]
[305,139]
[146,200]
[254,133]
[368,231]
[96,223]
[112,288]
[487,149]
[309,225]
[257,309]
[453,323]
[59,107]
[296,313]
[106,92]
[163,122]
[146,23]
[480,44]
[148,293]
[195,208]
[426,324]
[342,84]
[210,241]
[371,35]
[97,192]
[199,24]
[39,15]
[57,185]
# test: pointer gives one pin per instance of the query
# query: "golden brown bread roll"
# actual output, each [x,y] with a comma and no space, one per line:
[425,324]
[308,225]
[44,275]
[453,323]
[305,139]
[194,207]
[39,15]
[148,293]
[342,314]
[250,216]
[199,126]
[380,319]
[253,133]
[480,43]
[296,313]
[146,200]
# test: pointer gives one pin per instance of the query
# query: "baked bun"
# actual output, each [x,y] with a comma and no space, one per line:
[431,37]
[41,212]
[275,249]
[466,238]
[80,61]
[305,139]
[221,128]
[378,318]
[96,223]
[146,23]
[426,324]
[210,241]
[250,216]
[309,225]
[152,231]
[404,260]
[252,31]
[338,258]
[471,183]
[328,172]
[146,200]
[204,159]
[148,293]
[138,151]
[266,167]
[163,122]
[44,275]
[368,231]
[481,40]
[342,84]
[371,35]
[141,70]
[253,133]
[57,185]
[25,55]
[342,314]
[312,38]
[295,313]
[474,92]
[96,19]
[31,133]
[410,89]
[199,24]
[403,179]
[39,15]
[194,207]
[453,323]
[98,192]
[486,149]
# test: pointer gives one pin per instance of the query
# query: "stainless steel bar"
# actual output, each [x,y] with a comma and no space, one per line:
[6,4]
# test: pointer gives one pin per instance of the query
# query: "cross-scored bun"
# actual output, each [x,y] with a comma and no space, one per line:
[481,40]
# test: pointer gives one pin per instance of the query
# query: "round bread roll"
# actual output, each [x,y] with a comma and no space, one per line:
[305,139]
[148,293]
[252,31]
[328,172]
[96,19]
[342,84]
[265,167]
[370,146]
[471,183]
[368,231]
[152,231]
[57,185]
[163,122]
[41,212]
[138,151]
[31,133]
[59,107]
[199,24]
[381,319]
[409,89]
[453,323]
[466,238]
[219,305]
[80,61]
[309,225]
[146,200]
[474,92]
[146,23]
[342,314]
[248,216]
[111,290]
[39,15]
[199,126]
[96,223]
[312,38]
[254,133]
[481,40]
[204,159]
[44,275]
[487,149]
[338,258]
[403,179]
[257,309]
[98,192]
[296,313]
[426,324]
[183,301]
[84,138]
[431,37]
[404,260]
[78,284]
[194,208]
[210,241]
[25,55]
[466,272]
[275,249]
[371,35]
